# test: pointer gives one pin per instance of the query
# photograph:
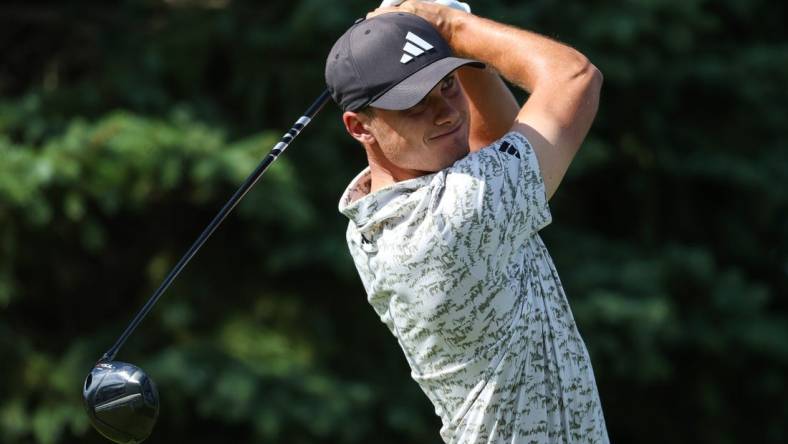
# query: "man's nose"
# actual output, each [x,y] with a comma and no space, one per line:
[446,112]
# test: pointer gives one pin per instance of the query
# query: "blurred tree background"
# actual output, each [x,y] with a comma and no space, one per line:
[124,126]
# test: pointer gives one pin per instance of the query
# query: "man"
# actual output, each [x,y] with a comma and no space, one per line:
[444,223]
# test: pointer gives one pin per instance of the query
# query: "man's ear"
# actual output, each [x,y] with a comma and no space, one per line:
[357,125]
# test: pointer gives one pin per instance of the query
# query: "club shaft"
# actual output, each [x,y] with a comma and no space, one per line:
[250,181]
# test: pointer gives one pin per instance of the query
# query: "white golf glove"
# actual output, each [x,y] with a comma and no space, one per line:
[450,3]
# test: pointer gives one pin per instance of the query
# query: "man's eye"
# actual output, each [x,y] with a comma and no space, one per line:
[418,108]
[448,83]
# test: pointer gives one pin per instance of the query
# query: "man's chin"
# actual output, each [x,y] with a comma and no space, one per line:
[459,145]
[457,139]
[459,152]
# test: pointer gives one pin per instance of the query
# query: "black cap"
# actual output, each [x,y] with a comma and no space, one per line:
[390,61]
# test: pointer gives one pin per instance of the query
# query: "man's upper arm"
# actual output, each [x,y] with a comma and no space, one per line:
[491,105]
[556,122]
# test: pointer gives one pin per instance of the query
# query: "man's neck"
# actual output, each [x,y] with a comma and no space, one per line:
[383,173]
[379,179]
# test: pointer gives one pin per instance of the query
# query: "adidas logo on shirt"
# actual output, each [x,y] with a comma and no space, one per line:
[414,47]
[507,148]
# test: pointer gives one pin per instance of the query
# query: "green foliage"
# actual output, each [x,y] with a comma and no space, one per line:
[124,128]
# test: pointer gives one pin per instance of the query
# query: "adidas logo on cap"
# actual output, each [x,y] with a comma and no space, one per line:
[414,47]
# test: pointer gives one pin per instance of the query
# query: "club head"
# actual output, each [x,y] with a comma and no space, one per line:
[122,401]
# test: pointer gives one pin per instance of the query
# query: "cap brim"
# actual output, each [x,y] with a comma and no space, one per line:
[410,91]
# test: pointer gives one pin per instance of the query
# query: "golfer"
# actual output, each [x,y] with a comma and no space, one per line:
[444,222]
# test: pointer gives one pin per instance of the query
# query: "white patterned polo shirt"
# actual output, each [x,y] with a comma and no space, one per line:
[453,264]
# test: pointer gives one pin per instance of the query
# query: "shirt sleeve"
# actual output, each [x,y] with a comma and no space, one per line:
[493,198]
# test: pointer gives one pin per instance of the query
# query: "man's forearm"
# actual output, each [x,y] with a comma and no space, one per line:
[526,59]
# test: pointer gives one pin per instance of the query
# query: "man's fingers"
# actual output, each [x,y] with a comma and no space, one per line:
[455,4]
[403,6]
[382,10]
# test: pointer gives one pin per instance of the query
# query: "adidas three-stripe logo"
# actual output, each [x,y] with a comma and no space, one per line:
[507,148]
[414,47]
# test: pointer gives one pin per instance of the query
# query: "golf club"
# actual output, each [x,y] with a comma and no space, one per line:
[122,401]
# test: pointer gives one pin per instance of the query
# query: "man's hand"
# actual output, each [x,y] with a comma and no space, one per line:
[450,3]
[434,12]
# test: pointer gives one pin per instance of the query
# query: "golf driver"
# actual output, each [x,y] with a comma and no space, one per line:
[122,401]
